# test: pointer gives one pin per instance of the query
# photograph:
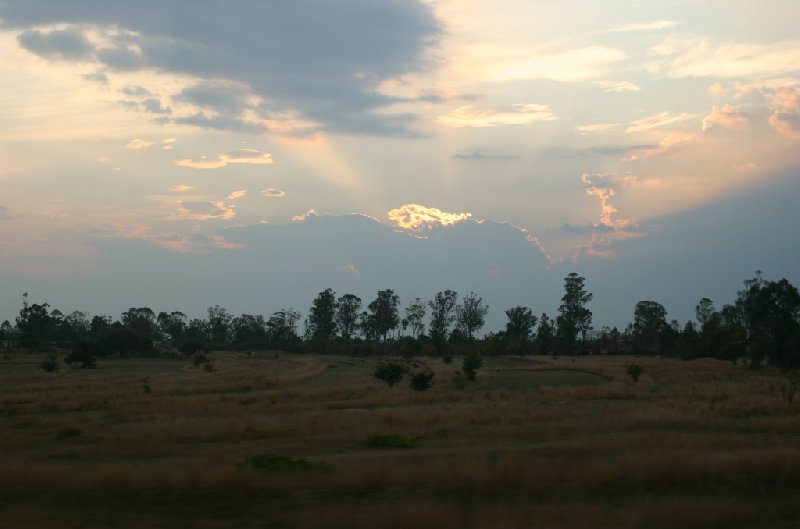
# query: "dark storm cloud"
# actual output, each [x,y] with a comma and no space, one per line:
[68,44]
[320,59]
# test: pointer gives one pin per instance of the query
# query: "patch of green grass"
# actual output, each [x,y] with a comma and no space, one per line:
[389,441]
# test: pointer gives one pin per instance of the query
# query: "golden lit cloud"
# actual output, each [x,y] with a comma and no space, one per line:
[715,89]
[139,144]
[664,147]
[310,213]
[415,217]
[237,194]
[521,114]
[180,188]
[725,116]
[786,116]
[657,120]
[242,156]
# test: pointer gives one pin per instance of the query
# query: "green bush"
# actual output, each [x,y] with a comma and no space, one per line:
[50,365]
[389,441]
[390,373]
[422,380]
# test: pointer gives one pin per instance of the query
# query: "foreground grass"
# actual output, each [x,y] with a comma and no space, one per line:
[314,441]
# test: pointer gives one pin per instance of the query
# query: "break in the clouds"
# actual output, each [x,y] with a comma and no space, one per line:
[322,60]
[239,156]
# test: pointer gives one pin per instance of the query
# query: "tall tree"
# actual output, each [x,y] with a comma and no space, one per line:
[141,321]
[649,322]
[443,308]
[471,314]
[415,316]
[349,307]
[282,328]
[383,312]
[704,310]
[545,335]
[573,306]
[321,325]
[219,324]
[172,325]
[520,324]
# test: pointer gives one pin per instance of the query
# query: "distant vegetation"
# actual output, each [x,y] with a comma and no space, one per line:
[761,327]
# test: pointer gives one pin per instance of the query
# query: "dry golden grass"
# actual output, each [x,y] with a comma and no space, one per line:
[533,442]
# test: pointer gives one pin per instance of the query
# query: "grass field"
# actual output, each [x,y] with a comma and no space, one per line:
[278,440]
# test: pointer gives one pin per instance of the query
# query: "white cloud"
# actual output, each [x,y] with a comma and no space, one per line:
[596,127]
[643,26]
[415,217]
[521,114]
[242,156]
[657,120]
[273,193]
[180,188]
[618,86]
[139,144]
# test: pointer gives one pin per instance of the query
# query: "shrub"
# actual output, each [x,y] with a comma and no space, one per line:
[390,373]
[389,441]
[50,365]
[200,358]
[422,380]
[634,371]
[472,362]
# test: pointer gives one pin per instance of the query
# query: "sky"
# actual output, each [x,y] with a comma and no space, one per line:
[180,154]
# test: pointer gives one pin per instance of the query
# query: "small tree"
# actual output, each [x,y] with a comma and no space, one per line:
[471,314]
[390,373]
[634,371]
[472,362]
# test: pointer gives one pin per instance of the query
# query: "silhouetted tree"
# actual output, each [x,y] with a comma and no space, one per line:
[520,324]
[649,323]
[545,335]
[383,312]
[442,317]
[471,314]
[282,329]
[390,373]
[415,316]
[219,323]
[321,323]
[172,325]
[349,307]
[141,321]
[577,318]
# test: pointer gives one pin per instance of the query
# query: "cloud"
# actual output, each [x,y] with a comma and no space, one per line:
[273,193]
[4,213]
[322,60]
[237,194]
[415,217]
[664,147]
[64,44]
[657,120]
[482,155]
[596,127]
[725,116]
[520,114]
[154,106]
[204,211]
[96,77]
[103,159]
[239,156]
[683,56]
[716,89]
[139,144]
[180,188]
[310,213]
[618,86]
[136,91]
[351,268]
[786,115]
[643,26]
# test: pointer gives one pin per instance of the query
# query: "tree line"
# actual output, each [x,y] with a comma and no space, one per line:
[761,326]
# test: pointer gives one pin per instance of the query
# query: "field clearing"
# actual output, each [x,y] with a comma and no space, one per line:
[281,440]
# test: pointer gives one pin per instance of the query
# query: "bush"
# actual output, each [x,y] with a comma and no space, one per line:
[200,358]
[389,441]
[50,365]
[634,371]
[390,373]
[472,362]
[422,381]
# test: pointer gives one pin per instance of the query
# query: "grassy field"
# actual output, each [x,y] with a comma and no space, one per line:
[279,440]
